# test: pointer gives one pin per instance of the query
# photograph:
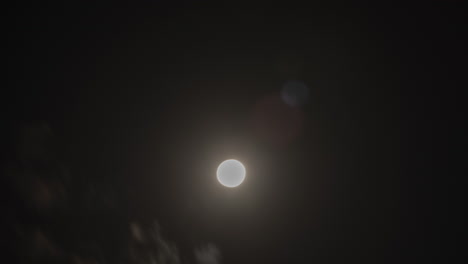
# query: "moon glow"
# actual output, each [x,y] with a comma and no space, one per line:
[230,173]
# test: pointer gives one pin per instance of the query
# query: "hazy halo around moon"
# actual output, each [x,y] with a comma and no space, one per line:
[230,173]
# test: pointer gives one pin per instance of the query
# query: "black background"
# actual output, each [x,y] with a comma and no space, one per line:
[147,99]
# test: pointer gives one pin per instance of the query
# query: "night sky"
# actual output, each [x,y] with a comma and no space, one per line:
[120,114]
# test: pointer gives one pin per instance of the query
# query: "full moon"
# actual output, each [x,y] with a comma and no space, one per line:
[231,173]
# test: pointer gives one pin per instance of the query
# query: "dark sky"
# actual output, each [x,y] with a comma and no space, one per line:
[145,100]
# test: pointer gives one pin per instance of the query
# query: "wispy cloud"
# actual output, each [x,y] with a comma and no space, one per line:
[208,254]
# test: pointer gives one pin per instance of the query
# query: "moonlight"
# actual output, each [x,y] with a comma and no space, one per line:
[231,173]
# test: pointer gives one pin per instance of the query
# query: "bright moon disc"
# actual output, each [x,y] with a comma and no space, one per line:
[231,173]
